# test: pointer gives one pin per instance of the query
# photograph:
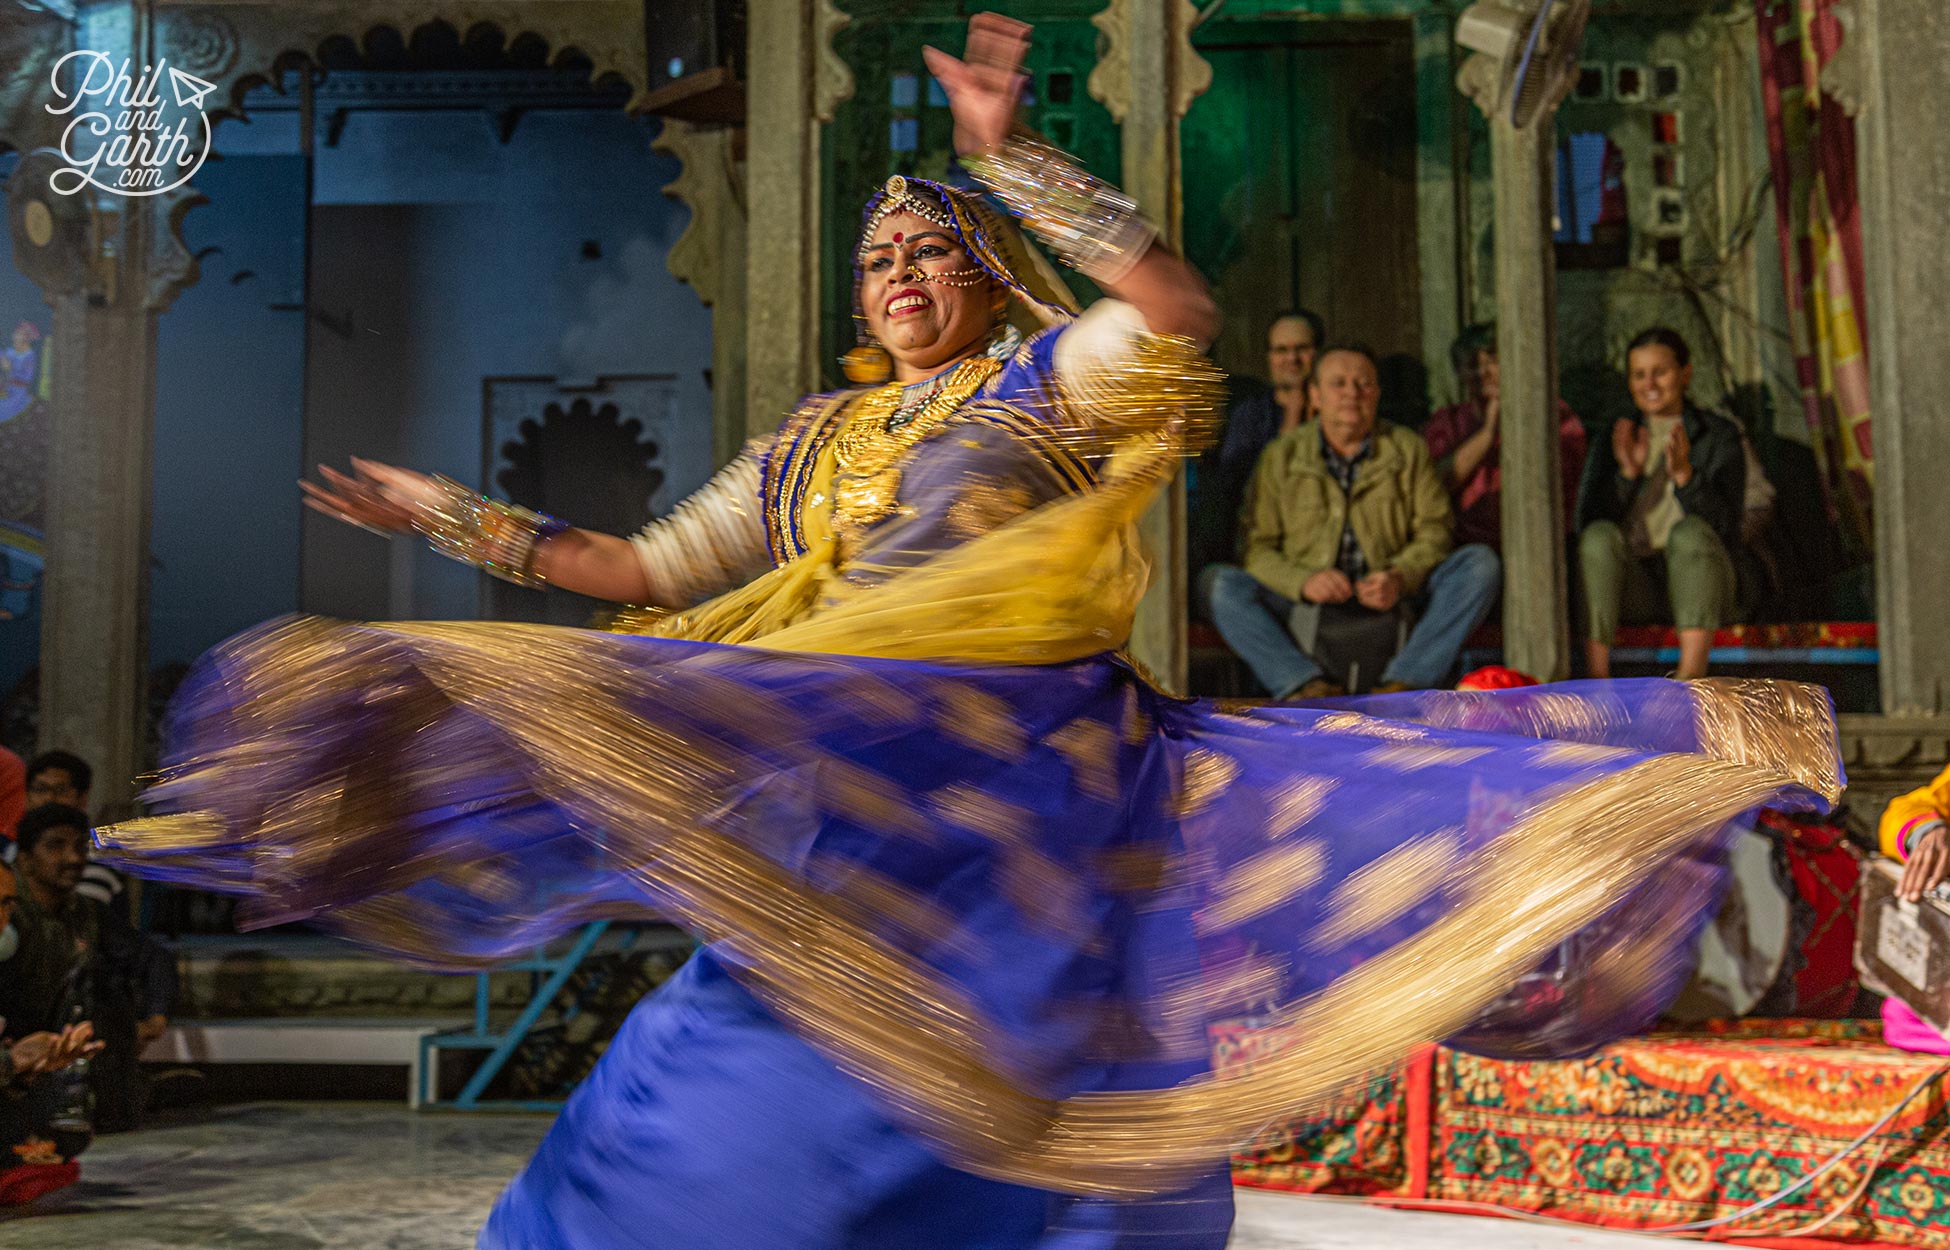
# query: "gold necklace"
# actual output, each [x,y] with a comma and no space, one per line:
[867,452]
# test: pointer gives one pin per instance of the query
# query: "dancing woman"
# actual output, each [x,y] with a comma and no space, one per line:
[971,889]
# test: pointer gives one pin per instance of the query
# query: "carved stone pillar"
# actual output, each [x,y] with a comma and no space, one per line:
[109,266]
[1148,77]
[1536,599]
[1901,49]
[1536,602]
[795,83]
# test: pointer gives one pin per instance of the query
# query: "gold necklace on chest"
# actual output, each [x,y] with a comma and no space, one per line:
[886,424]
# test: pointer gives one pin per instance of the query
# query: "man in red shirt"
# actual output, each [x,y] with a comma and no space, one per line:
[13,792]
[1464,439]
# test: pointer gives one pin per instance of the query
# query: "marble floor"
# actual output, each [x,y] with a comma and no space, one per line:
[350,1176]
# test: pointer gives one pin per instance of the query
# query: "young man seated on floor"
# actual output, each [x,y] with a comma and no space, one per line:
[79,960]
[38,1131]
[64,777]
[1346,515]
[1659,512]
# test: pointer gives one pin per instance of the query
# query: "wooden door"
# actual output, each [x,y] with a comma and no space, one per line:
[1300,185]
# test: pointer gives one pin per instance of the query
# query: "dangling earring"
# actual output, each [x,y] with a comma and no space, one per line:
[1002,339]
[869,364]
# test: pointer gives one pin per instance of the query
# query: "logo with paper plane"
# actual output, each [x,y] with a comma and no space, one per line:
[126,133]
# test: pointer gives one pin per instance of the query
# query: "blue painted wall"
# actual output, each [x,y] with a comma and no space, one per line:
[477,269]
[229,381]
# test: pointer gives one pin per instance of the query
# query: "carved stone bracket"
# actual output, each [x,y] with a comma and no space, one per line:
[172,268]
[1194,71]
[832,77]
[1111,81]
[710,182]
[1495,31]
[1477,82]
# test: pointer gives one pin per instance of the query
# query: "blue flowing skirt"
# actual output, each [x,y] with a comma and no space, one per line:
[967,927]
[707,1124]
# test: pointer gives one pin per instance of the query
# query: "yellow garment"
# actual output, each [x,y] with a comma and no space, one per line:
[1059,583]
[1928,801]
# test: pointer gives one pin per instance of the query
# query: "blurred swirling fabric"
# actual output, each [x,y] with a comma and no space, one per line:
[976,890]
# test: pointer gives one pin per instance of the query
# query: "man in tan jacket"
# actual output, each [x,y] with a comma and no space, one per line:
[1349,510]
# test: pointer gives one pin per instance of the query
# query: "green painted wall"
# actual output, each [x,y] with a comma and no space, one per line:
[1725,285]
[885,40]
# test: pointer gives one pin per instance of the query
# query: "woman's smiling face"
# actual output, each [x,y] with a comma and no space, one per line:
[924,298]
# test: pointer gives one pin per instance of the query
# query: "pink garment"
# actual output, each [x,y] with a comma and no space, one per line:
[1479,499]
[1905,1030]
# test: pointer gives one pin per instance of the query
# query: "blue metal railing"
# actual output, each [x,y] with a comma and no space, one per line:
[552,973]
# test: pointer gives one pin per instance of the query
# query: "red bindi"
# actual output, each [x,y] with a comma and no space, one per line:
[899,237]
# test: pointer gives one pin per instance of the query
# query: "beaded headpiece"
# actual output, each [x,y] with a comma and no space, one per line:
[989,237]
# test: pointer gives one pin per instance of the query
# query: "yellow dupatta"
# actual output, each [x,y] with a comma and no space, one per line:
[1058,583]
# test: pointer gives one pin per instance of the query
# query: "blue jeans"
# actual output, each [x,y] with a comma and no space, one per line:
[1252,619]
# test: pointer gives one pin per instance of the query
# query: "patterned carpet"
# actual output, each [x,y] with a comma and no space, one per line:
[1654,1131]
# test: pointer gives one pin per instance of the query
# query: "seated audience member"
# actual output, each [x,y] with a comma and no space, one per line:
[1464,438]
[79,960]
[1915,829]
[1292,342]
[64,777]
[1659,512]
[1292,346]
[1348,512]
[59,777]
[13,792]
[38,1132]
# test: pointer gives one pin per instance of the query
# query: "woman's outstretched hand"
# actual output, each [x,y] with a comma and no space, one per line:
[379,498]
[985,84]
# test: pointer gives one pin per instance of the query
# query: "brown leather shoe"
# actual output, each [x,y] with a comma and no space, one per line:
[1318,688]
[1391,687]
